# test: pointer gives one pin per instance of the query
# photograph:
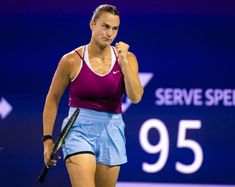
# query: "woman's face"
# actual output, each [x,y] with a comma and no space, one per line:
[105,28]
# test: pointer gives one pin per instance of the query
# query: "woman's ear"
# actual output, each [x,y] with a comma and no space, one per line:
[92,23]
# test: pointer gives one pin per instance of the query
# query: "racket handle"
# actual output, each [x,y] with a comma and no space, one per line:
[43,175]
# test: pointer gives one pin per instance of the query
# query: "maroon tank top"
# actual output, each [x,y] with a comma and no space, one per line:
[97,92]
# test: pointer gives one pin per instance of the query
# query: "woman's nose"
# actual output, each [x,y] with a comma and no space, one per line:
[109,32]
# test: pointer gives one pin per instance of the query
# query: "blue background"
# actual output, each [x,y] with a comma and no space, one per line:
[185,44]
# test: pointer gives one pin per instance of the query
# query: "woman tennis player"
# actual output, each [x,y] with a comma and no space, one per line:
[97,75]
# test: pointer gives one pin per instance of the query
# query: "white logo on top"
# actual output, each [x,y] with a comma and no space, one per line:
[115,72]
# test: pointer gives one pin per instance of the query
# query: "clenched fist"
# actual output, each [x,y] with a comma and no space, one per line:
[122,50]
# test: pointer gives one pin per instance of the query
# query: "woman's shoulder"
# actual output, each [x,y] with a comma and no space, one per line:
[72,61]
[72,56]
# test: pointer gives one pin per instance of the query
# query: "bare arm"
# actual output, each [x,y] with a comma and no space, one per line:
[129,67]
[59,82]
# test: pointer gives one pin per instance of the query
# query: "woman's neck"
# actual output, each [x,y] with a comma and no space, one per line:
[96,50]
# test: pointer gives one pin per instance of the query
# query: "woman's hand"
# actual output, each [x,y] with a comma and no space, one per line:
[122,51]
[48,148]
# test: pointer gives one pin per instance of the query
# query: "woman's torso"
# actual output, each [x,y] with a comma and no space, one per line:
[97,87]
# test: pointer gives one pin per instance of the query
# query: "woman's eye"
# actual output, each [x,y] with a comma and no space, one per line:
[106,26]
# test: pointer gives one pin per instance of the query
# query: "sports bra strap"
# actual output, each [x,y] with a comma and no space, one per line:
[115,53]
[82,57]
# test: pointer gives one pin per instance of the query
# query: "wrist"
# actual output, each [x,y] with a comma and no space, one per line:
[124,66]
[46,137]
[123,61]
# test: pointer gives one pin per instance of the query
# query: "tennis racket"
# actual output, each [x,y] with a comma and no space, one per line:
[59,142]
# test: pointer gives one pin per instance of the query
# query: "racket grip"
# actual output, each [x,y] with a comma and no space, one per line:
[43,175]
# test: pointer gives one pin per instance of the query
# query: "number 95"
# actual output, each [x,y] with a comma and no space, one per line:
[163,145]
